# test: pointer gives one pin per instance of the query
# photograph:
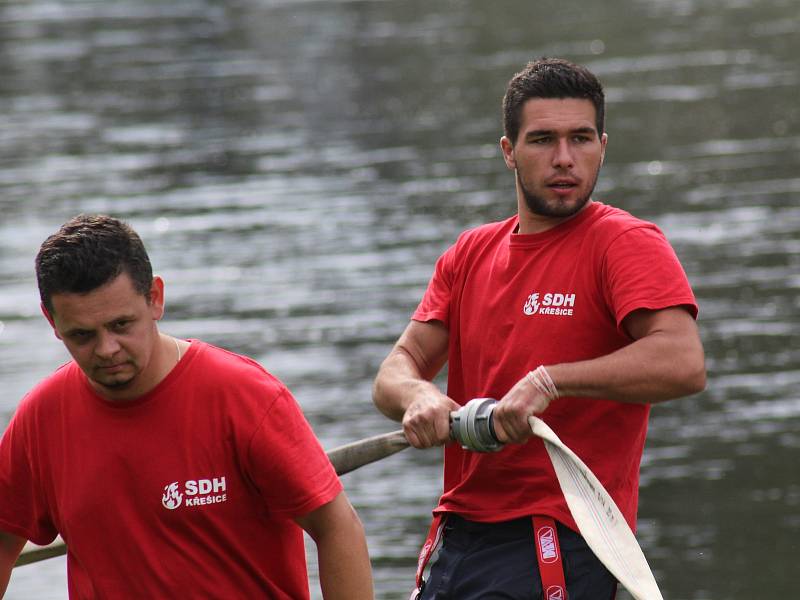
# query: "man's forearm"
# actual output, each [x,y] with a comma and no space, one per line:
[654,368]
[405,375]
[10,547]
[344,567]
[396,384]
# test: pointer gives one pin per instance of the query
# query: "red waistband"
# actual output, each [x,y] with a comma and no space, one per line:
[548,555]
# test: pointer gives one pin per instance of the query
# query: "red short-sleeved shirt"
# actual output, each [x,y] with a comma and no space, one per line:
[512,302]
[187,492]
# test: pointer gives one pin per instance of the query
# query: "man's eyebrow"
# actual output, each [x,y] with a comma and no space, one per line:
[117,319]
[74,330]
[542,132]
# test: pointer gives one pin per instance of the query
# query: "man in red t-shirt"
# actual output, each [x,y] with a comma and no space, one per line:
[171,468]
[571,310]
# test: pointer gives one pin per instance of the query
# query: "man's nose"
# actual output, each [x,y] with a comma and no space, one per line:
[107,345]
[562,154]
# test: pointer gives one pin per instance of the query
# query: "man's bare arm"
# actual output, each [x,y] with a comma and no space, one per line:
[665,361]
[344,568]
[10,547]
[403,390]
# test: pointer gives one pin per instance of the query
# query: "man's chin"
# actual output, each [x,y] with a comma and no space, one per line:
[558,209]
[547,203]
[113,384]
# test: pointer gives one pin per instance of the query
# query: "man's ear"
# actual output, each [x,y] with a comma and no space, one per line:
[49,318]
[508,152]
[156,298]
[603,144]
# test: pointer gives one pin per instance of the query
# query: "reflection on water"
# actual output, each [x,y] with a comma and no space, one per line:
[296,168]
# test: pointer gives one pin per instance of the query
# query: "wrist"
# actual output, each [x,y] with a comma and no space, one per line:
[540,379]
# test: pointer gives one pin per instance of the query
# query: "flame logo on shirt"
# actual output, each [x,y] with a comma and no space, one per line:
[172,498]
[532,304]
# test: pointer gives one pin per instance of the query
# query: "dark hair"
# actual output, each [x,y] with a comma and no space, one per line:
[87,252]
[551,78]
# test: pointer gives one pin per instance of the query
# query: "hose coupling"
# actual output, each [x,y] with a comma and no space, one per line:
[472,427]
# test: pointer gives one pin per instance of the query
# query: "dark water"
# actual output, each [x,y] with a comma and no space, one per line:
[295,168]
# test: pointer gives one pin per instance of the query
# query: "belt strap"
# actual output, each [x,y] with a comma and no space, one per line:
[433,539]
[548,554]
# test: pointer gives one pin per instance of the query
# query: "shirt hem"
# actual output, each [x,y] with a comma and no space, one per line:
[20,532]
[318,500]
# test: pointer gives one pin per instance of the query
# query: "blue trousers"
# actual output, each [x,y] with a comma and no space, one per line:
[497,561]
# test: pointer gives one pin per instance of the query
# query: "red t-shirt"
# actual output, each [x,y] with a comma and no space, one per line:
[186,492]
[512,302]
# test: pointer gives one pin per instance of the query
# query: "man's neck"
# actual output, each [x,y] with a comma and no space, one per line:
[531,223]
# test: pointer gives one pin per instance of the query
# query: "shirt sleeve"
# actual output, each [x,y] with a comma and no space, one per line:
[642,271]
[435,304]
[287,462]
[24,510]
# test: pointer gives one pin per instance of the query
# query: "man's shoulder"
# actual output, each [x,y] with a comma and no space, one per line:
[486,233]
[612,216]
[45,401]
[609,222]
[491,229]
[209,353]
[220,366]
[65,379]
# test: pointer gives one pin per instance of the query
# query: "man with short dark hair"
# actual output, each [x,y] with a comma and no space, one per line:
[170,467]
[571,310]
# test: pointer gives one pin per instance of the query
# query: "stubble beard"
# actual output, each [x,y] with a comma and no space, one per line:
[114,383]
[538,205]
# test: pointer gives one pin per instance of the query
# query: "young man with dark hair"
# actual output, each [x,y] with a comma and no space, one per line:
[170,467]
[571,310]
